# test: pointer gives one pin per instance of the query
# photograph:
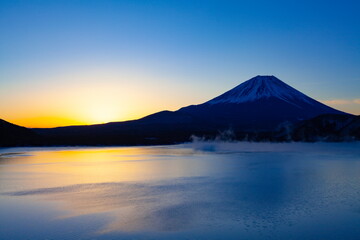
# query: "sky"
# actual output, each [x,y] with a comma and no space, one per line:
[85,61]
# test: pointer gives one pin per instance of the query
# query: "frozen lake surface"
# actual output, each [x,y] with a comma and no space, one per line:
[190,191]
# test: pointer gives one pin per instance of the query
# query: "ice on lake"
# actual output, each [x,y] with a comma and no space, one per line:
[203,190]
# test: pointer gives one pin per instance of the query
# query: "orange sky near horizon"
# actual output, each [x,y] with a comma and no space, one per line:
[95,104]
[83,99]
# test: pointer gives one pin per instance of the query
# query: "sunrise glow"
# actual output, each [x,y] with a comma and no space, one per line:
[87,63]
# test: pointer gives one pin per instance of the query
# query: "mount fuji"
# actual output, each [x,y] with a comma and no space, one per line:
[261,103]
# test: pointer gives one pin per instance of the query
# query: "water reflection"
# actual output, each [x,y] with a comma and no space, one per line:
[158,206]
[179,192]
[77,166]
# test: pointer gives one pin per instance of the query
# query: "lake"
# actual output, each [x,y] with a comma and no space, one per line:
[202,190]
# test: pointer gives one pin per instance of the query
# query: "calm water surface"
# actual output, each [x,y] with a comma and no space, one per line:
[191,191]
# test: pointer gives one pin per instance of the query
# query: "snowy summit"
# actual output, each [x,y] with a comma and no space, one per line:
[261,87]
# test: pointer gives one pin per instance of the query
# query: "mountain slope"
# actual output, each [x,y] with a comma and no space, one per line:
[159,128]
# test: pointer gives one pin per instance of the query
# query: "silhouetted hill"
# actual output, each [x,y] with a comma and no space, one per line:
[14,135]
[329,127]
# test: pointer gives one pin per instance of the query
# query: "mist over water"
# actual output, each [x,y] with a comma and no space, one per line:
[199,190]
[228,145]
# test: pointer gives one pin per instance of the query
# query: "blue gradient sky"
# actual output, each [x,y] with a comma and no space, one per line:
[80,62]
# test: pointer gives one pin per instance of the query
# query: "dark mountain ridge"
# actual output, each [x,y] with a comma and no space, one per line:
[255,110]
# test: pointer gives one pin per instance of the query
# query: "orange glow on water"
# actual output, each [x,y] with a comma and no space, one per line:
[95,165]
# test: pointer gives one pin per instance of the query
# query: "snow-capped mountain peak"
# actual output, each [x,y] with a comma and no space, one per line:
[261,87]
